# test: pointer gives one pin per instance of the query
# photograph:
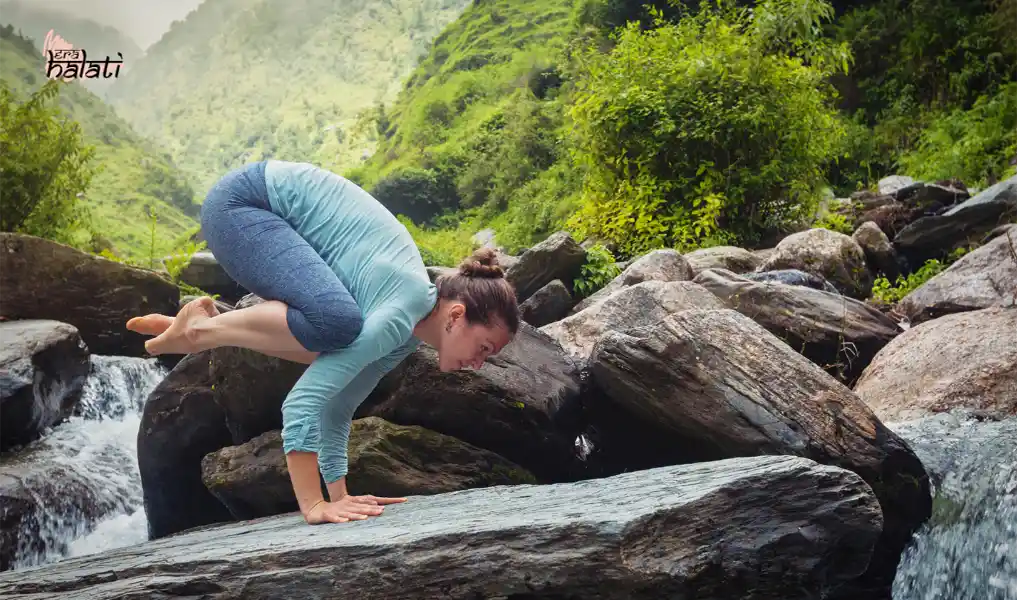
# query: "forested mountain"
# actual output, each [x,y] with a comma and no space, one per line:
[135,179]
[98,40]
[241,80]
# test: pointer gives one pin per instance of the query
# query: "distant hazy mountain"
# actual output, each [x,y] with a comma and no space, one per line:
[241,80]
[97,39]
[144,21]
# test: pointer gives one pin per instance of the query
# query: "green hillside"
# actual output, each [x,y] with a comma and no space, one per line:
[99,41]
[477,123]
[135,179]
[239,80]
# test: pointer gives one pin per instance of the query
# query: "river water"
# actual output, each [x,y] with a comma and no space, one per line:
[95,454]
[967,551]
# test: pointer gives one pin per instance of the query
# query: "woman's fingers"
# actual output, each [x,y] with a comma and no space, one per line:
[378,500]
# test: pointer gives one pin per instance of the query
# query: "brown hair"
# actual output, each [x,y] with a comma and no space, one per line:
[481,286]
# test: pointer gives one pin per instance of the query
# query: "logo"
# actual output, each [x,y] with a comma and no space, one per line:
[64,61]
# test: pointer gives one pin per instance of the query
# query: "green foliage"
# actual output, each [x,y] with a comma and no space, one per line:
[238,81]
[441,246]
[716,127]
[835,222]
[598,270]
[920,68]
[975,145]
[885,292]
[44,166]
[132,177]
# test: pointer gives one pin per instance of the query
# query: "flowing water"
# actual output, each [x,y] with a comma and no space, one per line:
[82,476]
[967,551]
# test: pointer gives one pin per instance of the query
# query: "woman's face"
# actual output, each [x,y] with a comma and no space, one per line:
[466,345]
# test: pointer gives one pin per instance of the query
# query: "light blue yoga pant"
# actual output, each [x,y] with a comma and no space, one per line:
[263,253]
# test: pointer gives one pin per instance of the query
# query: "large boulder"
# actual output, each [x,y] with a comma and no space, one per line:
[557,257]
[783,527]
[931,235]
[547,305]
[894,183]
[966,360]
[983,278]
[385,460]
[43,366]
[180,424]
[516,405]
[250,386]
[657,265]
[879,252]
[839,334]
[720,381]
[634,306]
[730,258]
[828,254]
[41,279]
[891,218]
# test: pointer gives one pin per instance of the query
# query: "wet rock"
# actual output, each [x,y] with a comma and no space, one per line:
[783,527]
[730,258]
[828,254]
[657,265]
[839,334]
[41,279]
[43,366]
[547,305]
[717,379]
[634,306]
[516,405]
[385,460]
[966,360]
[879,253]
[180,424]
[983,278]
[792,277]
[557,257]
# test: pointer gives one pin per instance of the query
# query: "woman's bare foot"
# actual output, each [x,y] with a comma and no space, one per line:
[152,324]
[174,339]
[155,324]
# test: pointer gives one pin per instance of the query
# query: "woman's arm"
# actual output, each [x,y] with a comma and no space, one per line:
[323,382]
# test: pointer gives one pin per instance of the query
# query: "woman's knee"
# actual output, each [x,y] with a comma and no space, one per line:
[329,325]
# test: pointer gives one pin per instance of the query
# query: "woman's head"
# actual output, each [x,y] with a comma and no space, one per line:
[477,310]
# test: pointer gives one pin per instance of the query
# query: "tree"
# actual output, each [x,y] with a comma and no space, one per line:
[44,166]
[715,129]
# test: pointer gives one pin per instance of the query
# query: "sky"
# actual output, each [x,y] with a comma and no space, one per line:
[144,21]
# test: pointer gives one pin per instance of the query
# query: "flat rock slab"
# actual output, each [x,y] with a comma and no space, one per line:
[778,526]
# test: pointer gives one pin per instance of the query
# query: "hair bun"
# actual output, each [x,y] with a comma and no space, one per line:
[483,263]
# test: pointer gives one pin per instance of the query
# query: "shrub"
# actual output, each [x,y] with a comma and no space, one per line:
[718,126]
[44,166]
[420,194]
[598,270]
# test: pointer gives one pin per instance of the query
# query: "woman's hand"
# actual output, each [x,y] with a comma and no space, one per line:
[348,508]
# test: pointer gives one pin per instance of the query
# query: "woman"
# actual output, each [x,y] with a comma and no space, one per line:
[347,293]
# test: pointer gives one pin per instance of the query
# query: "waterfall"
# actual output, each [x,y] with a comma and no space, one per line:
[82,476]
[968,549]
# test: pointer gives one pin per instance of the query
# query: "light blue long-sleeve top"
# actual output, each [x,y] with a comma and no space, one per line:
[375,257]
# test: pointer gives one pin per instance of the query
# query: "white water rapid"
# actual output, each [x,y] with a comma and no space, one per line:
[83,474]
